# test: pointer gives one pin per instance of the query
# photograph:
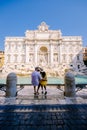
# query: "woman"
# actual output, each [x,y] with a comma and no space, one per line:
[43,82]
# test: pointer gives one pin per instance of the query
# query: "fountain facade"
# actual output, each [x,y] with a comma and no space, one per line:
[45,48]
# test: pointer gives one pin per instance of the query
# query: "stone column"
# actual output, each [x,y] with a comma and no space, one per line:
[51,54]
[48,57]
[11,88]
[35,55]
[27,53]
[58,53]
[69,89]
[60,50]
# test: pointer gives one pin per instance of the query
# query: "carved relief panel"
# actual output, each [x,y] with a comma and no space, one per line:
[55,48]
[31,48]
[31,58]
[55,57]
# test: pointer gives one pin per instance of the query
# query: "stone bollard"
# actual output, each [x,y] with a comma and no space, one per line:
[11,88]
[69,89]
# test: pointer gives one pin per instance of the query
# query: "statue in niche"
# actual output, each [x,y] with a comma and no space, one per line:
[31,58]
[55,58]
[43,59]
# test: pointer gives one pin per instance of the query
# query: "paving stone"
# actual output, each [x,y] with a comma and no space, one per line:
[65,119]
[40,113]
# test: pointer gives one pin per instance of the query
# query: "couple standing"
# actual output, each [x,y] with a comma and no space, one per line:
[39,79]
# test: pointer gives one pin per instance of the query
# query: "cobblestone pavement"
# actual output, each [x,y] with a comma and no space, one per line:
[43,117]
[51,112]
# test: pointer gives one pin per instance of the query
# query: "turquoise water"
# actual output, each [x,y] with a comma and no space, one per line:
[51,80]
[81,79]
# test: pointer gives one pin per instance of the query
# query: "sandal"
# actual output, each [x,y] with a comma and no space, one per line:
[45,93]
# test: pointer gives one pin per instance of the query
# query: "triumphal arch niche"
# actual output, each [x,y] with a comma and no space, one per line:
[45,48]
[43,56]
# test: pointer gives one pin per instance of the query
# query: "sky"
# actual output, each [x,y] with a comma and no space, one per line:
[17,16]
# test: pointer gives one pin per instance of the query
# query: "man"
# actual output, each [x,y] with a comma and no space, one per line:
[35,78]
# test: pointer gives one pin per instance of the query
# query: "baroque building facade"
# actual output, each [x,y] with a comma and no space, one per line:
[45,48]
[1,59]
[85,53]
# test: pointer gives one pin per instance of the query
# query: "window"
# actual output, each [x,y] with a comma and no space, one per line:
[71,65]
[78,66]
[77,57]
[15,66]
[15,58]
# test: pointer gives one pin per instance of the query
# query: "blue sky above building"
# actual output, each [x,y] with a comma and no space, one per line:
[17,16]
